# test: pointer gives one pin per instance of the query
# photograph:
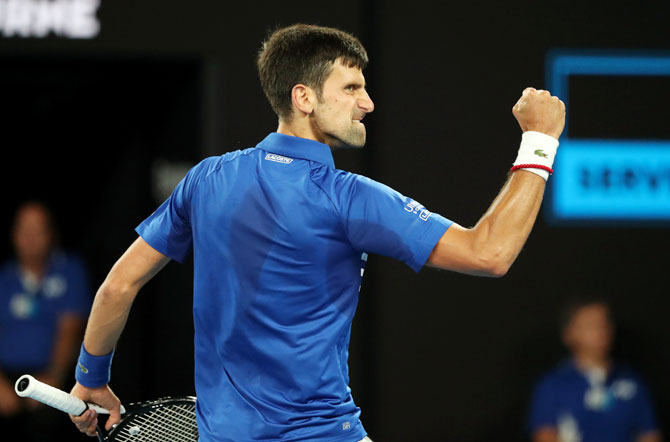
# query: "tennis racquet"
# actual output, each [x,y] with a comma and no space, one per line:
[169,419]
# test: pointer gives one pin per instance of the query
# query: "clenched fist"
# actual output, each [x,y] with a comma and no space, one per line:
[538,111]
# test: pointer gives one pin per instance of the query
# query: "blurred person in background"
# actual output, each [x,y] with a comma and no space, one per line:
[589,397]
[44,300]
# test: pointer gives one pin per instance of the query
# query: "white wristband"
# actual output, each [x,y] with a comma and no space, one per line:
[537,148]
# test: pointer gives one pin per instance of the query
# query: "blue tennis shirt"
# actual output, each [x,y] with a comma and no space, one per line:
[614,409]
[280,239]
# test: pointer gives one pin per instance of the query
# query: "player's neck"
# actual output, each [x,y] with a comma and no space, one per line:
[300,127]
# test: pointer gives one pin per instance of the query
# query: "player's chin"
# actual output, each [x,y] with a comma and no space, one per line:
[355,144]
[347,137]
[357,137]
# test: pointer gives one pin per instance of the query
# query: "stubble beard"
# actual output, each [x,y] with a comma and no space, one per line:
[347,134]
[351,137]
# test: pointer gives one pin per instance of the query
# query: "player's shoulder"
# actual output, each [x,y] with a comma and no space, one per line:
[238,155]
[366,187]
[218,163]
[337,178]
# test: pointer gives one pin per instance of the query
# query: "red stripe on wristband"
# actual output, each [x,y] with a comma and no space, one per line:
[532,166]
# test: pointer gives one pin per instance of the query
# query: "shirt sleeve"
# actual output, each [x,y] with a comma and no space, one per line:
[380,220]
[543,407]
[168,229]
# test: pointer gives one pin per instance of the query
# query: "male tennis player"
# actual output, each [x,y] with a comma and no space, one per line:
[280,237]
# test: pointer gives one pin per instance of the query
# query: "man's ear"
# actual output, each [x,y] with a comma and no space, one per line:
[303,98]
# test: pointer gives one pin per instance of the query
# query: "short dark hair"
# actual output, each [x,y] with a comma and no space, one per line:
[580,301]
[303,54]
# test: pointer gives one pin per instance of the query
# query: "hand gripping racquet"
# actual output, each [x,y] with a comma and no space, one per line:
[169,419]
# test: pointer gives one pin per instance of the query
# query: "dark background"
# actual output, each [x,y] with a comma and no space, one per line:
[438,356]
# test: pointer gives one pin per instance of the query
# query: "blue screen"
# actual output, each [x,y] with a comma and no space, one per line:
[622,180]
[600,180]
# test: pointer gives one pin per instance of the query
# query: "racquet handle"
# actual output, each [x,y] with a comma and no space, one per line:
[28,386]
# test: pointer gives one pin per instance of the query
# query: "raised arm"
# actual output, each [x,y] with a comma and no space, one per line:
[108,317]
[492,245]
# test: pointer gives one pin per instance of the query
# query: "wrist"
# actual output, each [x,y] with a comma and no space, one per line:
[93,371]
[536,154]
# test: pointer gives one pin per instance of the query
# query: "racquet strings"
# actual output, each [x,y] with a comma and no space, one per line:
[173,423]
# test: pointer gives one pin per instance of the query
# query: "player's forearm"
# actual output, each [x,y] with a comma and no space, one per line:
[108,316]
[503,230]
[490,248]
[116,295]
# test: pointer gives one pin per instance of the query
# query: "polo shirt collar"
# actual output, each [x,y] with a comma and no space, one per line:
[296,147]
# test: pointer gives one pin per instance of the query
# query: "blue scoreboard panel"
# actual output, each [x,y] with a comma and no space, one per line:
[602,179]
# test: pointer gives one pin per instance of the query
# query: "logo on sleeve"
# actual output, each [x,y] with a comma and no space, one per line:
[418,209]
[278,158]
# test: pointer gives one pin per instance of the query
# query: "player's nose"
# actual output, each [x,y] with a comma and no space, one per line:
[365,103]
